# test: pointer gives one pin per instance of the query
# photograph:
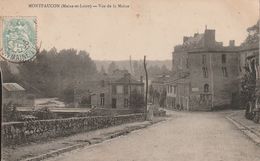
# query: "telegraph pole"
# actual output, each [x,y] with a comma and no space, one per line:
[146,86]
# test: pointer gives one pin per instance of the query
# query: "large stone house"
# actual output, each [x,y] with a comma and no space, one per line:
[212,72]
[108,91]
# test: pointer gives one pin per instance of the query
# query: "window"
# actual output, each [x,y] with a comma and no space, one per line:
[102,83]
[171,89]
[114,89]
[205,72]
[203,59]
[187,63]
[125,102]
[102,99]
[224,58]
[125,89]
[224,71]
[206,88]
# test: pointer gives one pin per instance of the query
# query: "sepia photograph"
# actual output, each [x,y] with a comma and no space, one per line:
[130,80]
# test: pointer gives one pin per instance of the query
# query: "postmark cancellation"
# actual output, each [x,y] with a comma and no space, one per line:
[18,38]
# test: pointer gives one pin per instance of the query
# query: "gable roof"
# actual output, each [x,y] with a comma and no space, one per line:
[13,87]
[126,80]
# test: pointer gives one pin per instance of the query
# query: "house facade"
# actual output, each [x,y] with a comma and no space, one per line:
[16,94]
[212,69]
[123,89]
[178,92]
[108,91]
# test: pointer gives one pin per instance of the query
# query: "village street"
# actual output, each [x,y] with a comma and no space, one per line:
[194,136]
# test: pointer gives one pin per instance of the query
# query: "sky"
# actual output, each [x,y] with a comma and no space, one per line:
[147,27]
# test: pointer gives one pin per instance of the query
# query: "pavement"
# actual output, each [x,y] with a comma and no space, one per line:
[248,127]
[187,136]
[44,149]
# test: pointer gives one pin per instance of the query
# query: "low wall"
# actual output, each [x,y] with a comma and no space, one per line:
[24,132]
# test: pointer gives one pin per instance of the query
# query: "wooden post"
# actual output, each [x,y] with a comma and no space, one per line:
[146,86]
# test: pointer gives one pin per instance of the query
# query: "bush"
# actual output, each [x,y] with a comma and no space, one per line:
[10,113]
[137,100]
[44,114]
[68,94]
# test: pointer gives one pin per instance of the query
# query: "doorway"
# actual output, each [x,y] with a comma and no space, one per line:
[113,102]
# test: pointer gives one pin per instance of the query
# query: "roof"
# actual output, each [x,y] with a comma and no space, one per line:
[161,79]
[179,77]
[13,87]
[127,79]
[193,41]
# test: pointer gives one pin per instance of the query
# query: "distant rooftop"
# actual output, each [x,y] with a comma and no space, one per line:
[202,41]
[127,78]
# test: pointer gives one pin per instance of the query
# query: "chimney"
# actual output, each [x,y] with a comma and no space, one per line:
[209,38]
[231,43]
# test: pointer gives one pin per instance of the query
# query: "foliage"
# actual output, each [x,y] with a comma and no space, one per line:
[10,113]
[44,114]
[248,92]
[68,94]
[8,76]
[253,35]
[136,100]
[102,70]
[55,73]
[163,98]
[112,66]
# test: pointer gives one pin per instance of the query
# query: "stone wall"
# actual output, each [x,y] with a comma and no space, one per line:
[24,132]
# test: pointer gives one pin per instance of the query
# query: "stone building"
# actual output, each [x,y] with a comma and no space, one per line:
[16,94]
[107,91]
[213,71]
[122,90]
[178,91]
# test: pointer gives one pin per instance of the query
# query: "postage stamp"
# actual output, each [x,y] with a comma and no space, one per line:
[19,38]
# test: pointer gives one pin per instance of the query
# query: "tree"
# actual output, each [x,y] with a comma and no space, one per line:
[53,73]
[112,67]
[8,76]
[102,70]
[136,100]
[164,70]
[163,98]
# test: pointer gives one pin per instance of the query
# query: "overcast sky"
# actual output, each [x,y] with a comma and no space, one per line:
[148,27]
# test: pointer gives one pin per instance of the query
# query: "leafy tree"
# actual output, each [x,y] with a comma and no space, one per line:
[53,73]
[8,76]
[44,114]
[163,98]
[112,66]
[136,100]
[102,70]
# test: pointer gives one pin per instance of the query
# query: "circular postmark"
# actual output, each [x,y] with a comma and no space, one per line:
[19,38]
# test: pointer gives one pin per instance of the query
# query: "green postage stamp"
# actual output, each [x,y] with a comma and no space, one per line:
[19,38]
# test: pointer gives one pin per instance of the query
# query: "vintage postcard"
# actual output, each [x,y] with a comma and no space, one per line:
[130,80]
